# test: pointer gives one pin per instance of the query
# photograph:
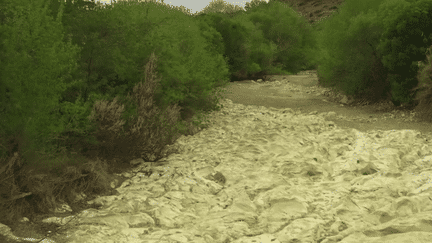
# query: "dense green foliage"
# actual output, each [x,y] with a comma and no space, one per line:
[38,62]
[392,33]
[188,68]
[407,35]
[347,44]
[107,48]
[280,25]
[235,35]
[167,32]
[99,53]
[254,43]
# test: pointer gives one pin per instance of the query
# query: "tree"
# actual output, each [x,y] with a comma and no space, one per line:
[36,63]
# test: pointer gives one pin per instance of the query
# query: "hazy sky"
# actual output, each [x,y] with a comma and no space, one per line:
[194,5]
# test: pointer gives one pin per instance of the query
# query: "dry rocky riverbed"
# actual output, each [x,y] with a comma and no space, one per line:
[263,174]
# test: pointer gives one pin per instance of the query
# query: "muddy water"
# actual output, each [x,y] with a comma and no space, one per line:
[302,93]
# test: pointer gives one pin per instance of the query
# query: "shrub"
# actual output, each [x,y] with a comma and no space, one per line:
[109,59]
[38,63]
[280,25]
[255,45]
[151,129]
[190,64]
[408,33]
[362,63]
[254,4]
[423,93]
[213,37]
[260,52]
[349,55]
[376,85]
[234,38]
[425,72]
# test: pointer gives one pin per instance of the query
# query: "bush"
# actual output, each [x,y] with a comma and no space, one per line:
[348,44]
[261,52]
[38,63]
[294,39]
[422,94]
[234,38]
[390,33]
[362,63]
[192,65]
[254,4]
[408,33]
[253,42]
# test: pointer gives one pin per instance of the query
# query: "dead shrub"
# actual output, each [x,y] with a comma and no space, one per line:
[151,129]
[423,95]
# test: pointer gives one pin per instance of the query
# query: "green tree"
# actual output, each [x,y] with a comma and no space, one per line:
[346,44]
[119,40]
[280,25]
[254,4]
[220,6]
[37,63]
[408,33]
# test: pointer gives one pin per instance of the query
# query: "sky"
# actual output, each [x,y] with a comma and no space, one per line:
[194,5]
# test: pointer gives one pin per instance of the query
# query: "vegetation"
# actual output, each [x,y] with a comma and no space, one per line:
[84,89]
[372,47]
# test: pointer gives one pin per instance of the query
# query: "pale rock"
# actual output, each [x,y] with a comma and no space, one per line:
[266,175]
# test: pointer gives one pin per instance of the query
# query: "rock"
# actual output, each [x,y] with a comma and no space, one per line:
[266,175]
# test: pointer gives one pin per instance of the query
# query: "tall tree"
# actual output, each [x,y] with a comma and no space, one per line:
[35,64]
